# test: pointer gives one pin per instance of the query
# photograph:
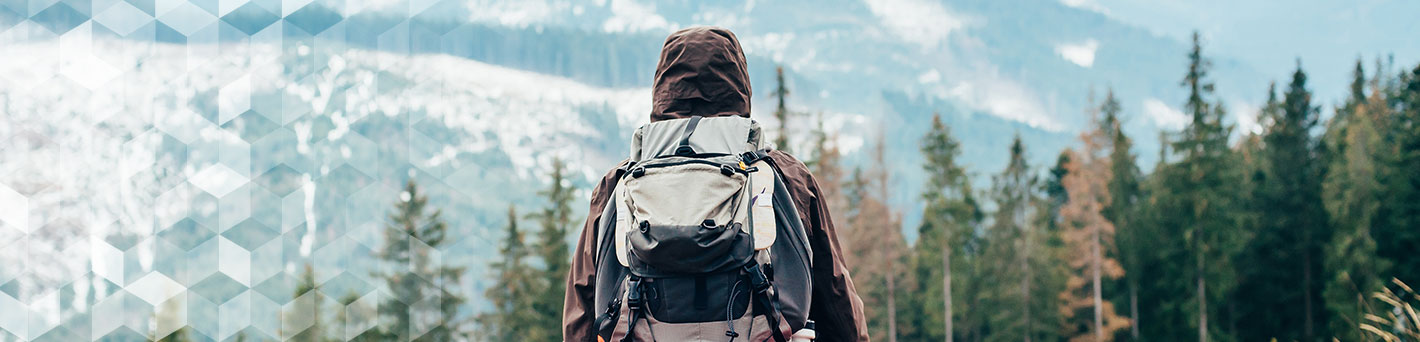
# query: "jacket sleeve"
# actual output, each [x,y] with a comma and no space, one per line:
[577,315]
[837,310]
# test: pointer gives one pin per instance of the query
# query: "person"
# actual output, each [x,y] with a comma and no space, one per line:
[702,72]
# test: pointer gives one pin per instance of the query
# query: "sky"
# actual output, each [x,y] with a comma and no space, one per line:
[1327,36]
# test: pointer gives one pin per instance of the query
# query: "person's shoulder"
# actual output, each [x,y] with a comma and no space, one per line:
[795,174]
[615,171]
[784,161]
[609,180]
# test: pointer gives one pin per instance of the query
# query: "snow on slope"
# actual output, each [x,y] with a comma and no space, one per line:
[107,144]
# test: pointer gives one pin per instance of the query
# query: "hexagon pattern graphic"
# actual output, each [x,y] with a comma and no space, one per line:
[225,170]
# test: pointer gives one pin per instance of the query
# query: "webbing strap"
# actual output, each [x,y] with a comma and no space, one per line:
[637,306]
[764,300]
[606,324]
[702,295]
[631,325]
[684,149]
[749,158]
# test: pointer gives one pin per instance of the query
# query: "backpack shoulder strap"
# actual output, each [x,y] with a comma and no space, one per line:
[763,226]
[612,212]
[683,148]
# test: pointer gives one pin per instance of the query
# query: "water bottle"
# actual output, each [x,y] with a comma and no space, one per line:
[806,334]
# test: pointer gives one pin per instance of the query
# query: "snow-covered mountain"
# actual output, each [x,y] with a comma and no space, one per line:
[992,68]
[130,161]
[149,148]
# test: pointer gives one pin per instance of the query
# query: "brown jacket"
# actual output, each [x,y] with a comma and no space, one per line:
[702,73]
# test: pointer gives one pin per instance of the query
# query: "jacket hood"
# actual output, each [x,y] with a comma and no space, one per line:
[701,73]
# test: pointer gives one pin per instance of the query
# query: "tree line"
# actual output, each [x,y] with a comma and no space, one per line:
[1308,230]
[1304,231]
[423,303]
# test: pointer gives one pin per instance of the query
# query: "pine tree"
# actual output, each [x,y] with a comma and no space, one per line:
[828,172]
[512,316]
[1357,95]
[1333,138]
[1166,283]
[1088,237]
[349,302]
[556,221]
[416,279]
[948,223]
[1055,194]
[1125,197]
[307,285]
[1020,259]
[977,285]
[1278,269]
[873,248]
[855,190]
[1203,183]
[781,112]
[1399,215]
[1292,144]
[1351,195]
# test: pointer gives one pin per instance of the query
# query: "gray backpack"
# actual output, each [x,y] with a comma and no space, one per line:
[700,240]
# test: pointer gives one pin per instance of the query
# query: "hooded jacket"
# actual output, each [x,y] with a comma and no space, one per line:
[702,72]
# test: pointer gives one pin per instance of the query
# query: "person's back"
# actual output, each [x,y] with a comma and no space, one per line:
[702,74]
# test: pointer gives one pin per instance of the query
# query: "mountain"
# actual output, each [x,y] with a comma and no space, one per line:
[1031,62]
[882,67]
[162,156]
[224,143]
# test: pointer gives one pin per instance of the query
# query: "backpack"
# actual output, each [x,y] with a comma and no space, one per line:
[700,240]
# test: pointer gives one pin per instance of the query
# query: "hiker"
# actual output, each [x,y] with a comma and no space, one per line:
[706,233]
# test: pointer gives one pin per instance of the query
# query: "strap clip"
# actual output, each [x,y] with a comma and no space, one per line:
[751,157]
[757,280]
[634,298]
[614,306]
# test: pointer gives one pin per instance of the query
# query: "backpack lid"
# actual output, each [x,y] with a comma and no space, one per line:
[709,135]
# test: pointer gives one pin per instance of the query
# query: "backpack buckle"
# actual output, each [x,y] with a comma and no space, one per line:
[749,158]
[614,306]
[634,299]
[757,280]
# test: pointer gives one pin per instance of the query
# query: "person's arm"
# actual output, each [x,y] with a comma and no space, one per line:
[844,309]
[577,308]
[577,315]
[837,310]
